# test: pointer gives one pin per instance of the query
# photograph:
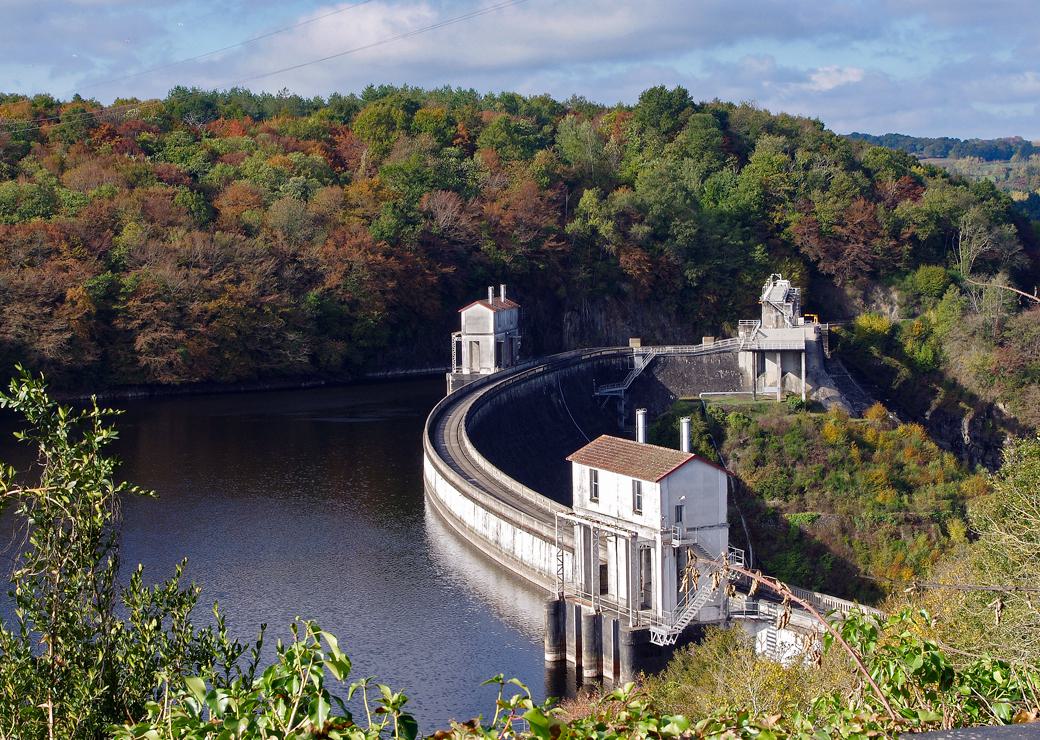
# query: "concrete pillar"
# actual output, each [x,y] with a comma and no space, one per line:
[574,633]
[633,648]
[593,564]
[632,566]
[591,645]
[555,631]
[803,375]
[583,558]
[641,426]
[779,377]
[611,646]
[684,434]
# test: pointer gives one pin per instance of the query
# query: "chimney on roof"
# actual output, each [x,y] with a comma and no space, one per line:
[684,434]
[641,426]
[502,291]
[491,294]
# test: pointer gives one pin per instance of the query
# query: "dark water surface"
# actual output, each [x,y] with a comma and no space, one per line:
[310,503]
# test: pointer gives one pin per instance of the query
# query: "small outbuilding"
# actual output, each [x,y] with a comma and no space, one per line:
[772,350]
[489,339]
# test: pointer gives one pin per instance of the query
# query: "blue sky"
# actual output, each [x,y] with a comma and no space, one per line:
[924,67]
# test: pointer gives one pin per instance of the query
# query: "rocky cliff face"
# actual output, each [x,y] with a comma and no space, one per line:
[976,434]
[971,428]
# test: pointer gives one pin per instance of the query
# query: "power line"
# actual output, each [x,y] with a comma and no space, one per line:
[267,34]
[398,37]
[63,117]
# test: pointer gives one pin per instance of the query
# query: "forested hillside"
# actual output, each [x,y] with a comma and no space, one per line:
[233,237]
[947,146]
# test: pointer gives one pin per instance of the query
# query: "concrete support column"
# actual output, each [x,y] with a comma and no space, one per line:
[593,564]
[779,377]
[555,631]
[632,569]
[803,375]
[591,645]
[632,651]
[611,645]
[573,631]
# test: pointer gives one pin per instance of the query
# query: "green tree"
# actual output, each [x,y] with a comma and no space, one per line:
[512,138]
[661,112]
[378,125]
[82,652]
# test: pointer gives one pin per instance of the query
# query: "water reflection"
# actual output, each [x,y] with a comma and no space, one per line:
[310,503]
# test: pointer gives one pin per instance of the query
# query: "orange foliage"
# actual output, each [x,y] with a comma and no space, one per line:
[236,199]
[230,127]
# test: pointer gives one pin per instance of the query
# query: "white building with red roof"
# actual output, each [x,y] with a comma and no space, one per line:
[489,339]
[642,513]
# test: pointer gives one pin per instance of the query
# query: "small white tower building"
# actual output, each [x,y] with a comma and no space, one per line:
[489,340]
[772,349]
[641,514]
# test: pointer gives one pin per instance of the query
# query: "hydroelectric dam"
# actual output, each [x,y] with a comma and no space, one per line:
[512,448]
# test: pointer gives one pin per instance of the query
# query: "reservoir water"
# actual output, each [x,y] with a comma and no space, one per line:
[310,503]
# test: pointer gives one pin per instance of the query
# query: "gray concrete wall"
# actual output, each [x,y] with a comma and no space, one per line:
[528,430]
[671,377]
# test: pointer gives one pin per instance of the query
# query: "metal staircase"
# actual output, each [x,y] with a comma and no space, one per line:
[640,361]
[770,649]
[668,634]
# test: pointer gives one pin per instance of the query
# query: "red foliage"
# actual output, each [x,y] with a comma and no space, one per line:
[855,247]
[233,158]
[345,151]
[522,221]
[170,174]
[157,208]
[236,199]
[895,192]
[228,127]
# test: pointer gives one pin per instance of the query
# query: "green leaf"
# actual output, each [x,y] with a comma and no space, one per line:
[408,728]
[197,687]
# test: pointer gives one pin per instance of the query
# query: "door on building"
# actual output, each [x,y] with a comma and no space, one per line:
[474,356]
[646,578]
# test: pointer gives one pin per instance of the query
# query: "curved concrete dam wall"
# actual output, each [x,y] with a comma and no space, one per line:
[494,451]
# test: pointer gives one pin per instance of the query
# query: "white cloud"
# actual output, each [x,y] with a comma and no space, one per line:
[828,78]
[829,60]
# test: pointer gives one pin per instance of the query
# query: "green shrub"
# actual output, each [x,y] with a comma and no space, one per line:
[930,282]
[871,330]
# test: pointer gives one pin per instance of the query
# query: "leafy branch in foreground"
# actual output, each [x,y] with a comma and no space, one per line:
[919,681]
[81,652]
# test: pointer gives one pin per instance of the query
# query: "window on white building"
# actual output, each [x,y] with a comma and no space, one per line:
[593,485]
[637,496]
[680,510]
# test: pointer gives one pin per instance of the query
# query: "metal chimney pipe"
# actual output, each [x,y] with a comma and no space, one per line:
[491,294]
[502,291]
[684,434]
[641,426]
